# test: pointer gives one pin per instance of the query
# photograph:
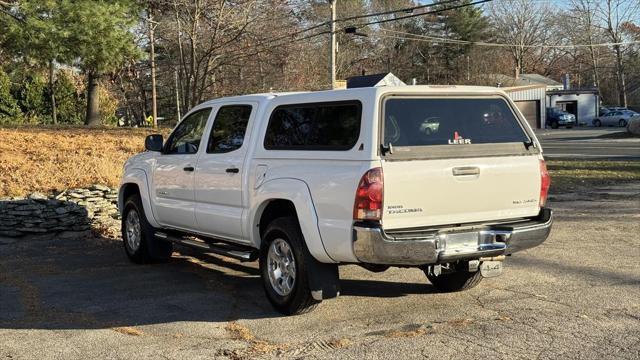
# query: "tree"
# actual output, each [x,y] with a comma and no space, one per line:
[613,14]
[584,27]
[522,24]
[468,24]
[36,30]
[101,40]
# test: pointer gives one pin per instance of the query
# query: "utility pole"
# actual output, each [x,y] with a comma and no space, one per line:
[332,47]
[152,56]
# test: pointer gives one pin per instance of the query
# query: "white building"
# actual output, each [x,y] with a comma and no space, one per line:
[584,104]
[531,100]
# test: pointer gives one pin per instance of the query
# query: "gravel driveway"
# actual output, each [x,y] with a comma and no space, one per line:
[576,296]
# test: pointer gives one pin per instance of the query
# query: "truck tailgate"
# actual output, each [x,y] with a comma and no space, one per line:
[455,191]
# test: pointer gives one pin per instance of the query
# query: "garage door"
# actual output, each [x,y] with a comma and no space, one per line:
[531,111]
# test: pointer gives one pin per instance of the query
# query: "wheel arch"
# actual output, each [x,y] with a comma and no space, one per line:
[287,197]
[135,181]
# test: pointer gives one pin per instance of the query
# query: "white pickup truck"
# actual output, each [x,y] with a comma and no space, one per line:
[447,179]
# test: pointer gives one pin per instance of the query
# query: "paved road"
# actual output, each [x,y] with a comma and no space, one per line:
[576,297]
[588,143]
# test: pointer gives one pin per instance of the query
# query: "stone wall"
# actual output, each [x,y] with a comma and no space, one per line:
[69,210]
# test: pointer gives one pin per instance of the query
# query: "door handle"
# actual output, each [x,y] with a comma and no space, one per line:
[188,168]
[466,170]
[233,170]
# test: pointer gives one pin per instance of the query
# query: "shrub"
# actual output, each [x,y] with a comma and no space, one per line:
[33,99]
[9,110]
[69,104]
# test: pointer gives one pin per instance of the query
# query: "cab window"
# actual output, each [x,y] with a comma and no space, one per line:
[186,137]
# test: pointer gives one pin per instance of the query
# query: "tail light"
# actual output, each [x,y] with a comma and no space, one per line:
[545,182]
[369,195]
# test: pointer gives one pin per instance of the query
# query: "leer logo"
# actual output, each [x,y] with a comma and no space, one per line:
[458,140]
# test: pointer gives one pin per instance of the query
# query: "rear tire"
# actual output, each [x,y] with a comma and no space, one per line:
[622,123]
[282,267]
[454,281]
[554,125]
[597,123]
[138,237]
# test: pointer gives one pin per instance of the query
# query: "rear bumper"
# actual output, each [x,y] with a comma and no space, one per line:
[372,245]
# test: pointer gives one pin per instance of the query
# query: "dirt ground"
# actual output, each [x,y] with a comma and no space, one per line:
[577,296]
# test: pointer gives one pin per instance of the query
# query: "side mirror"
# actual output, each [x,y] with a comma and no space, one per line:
[153,142]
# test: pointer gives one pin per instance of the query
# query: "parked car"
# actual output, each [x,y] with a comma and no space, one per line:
[614,118]
[616,108]
[557,118]
[447,180]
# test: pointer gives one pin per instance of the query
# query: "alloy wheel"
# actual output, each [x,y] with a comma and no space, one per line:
[133,230]
[281,266]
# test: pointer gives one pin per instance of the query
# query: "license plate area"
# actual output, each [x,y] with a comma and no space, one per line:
[459,242]
[472,242]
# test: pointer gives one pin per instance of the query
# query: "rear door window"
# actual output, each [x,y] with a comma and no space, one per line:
[415,122]
[228,130]
[314,126]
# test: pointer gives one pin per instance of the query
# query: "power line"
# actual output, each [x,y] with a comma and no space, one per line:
[291,37]
[422,13]
[427,38]
[409,9]
[388,12]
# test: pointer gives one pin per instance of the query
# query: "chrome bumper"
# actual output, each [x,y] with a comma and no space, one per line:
[372,245]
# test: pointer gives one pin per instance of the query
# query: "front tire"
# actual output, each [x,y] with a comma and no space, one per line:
[283,269]
[454,281]
[138,235]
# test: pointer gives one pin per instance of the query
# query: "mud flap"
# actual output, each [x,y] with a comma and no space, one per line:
[157,246]
[324,279]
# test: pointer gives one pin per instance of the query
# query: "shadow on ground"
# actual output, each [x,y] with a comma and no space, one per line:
[89,283]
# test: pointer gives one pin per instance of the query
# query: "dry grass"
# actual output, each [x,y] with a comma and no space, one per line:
[46,159]
[574,175]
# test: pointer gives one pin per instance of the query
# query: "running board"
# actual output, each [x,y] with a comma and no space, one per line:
[241,253]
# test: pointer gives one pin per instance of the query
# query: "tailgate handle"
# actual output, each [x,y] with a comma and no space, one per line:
[466,170]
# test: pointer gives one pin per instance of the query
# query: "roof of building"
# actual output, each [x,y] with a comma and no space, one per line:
[538,79]
[573,91]
[506,81]
[383,79]
[524,87]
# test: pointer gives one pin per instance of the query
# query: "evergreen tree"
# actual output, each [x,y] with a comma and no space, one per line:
[101,39]
[36,32]
[466,23]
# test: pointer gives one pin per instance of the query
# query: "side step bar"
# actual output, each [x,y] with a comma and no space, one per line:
[238,252]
